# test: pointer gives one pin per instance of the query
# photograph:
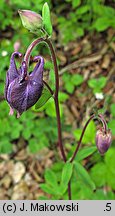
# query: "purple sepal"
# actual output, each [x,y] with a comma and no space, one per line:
[22,89]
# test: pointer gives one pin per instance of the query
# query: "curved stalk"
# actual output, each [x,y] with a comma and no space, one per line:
[99,117]
[26,58]
[30,48]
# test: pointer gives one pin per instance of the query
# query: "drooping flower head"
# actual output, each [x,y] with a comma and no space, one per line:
[22,89]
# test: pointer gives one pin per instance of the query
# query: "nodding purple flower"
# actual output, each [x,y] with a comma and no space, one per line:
[103,140]
[22,89]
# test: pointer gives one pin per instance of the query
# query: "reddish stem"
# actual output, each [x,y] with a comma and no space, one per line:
[80,140]
[30,48]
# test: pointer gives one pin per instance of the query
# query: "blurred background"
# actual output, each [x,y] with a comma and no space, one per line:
[84,38]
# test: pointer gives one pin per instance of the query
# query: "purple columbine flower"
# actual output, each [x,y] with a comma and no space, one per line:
[22,89]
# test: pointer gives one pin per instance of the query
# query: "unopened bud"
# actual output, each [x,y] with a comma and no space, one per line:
[31,20]
[103,140]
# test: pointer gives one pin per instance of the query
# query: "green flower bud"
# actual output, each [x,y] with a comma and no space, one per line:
[31,20]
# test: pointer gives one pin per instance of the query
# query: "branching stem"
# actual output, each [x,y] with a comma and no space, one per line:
[99,117]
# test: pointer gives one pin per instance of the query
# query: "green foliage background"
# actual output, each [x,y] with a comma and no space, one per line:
[38,129]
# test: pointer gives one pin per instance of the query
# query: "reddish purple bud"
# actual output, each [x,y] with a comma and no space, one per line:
[103,140]
[22,90]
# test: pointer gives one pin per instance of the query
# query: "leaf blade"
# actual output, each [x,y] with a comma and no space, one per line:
[50,178]
[47,25]
[84,175]
[66,176]
[85,152]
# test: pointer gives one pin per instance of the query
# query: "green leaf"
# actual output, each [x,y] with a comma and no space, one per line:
[46,95]
[66,175]
[84,175]
[5,146]
[83,9]
[110,159]
[101,195]
[77,79]
[70,81]
[102,23]
[69,87]
[48,65]
[111,125]
[56,167]
[111,179]
[102,82]
[77,133]
[85,152]
[92,83]
[98,174]
[80,31]
[51,178]
[63,96]
[36,145]
[48,189]
[112,108]
[50,108]
[97,83]
[46,19]
[67,82]
[76,3]
[89,136]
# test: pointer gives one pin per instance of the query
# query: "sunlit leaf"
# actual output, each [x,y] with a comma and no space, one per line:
[51,178]
[85,152]
[46,19]
[66,176]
